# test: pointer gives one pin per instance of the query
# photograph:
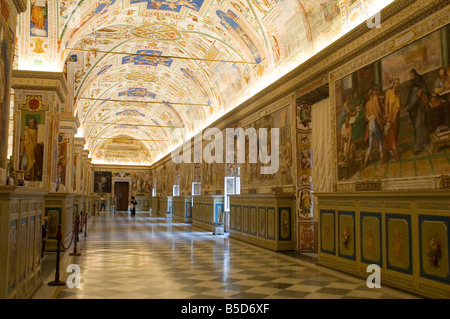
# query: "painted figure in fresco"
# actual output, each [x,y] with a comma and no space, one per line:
[353,107]
[59,171]
[346,237]
[347,145]
[379,95]
[305,115]
[102,182]
[442,83]
[417,108]
[305,160]
[345,110]
[29,150]
[330,9]
[357,121]
[38,16]
[370,240]
[374,123]
[392,118]
[305,202]
[434,251]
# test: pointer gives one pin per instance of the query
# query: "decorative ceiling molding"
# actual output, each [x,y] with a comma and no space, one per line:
[38,80]
[21,5]
[71,123]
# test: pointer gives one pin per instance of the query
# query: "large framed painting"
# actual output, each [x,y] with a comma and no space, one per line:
[102,182]
[277,116]
[391,113]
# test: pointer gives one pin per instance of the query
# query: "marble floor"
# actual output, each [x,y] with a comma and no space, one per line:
[146,257]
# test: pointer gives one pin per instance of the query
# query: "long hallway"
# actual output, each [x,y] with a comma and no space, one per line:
[146,257]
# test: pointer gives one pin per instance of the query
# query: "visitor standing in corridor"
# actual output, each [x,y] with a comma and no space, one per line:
[133,204]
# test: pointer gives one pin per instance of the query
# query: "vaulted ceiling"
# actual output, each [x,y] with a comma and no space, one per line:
[142,69]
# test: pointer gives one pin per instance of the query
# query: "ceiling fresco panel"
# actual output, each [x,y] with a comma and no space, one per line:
[138,70]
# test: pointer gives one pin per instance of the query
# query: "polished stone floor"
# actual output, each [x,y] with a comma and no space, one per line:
[146,257]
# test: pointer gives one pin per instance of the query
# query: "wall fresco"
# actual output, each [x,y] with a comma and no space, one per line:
[392,118]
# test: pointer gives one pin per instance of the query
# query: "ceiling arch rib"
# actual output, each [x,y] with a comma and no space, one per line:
[143,56]
[138,118]
[133,100]
[185,73]
[124,147]
[182,51]
[153,144]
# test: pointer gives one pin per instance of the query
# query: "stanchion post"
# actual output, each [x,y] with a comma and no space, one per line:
[57,282]
[85,224]
[81,224]
[77,221]
[77,228]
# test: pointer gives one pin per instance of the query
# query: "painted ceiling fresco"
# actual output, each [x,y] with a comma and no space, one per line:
[140,70]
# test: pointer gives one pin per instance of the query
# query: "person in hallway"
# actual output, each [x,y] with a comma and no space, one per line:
[417,108]
[102,204]
[113,203]
[44,235]
[133,204]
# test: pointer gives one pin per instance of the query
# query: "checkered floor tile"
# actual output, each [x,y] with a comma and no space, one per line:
[145,257]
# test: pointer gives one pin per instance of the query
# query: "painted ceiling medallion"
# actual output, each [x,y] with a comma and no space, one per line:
[171,5]
[160,32]
[141,76]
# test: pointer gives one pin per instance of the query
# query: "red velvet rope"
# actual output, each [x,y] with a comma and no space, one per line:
[62,244]
[73,234]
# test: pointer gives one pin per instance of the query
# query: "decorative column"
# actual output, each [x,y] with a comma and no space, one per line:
[66,154]
[306,226]
[83,175]
[89,185]
[20,208]
[38,99]
[9,10]
[78,164]
[60,201]
[75,186]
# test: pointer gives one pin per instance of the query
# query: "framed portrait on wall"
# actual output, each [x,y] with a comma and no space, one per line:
[102,182]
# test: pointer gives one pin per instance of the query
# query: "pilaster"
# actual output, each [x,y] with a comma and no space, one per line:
[77,164]
[8,23]
[37,100]
[66,155]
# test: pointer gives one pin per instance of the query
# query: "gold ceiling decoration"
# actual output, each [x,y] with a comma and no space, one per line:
[161,57]
[131,139]
[141,76]
[156,31]
[147,102]
[131,124]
